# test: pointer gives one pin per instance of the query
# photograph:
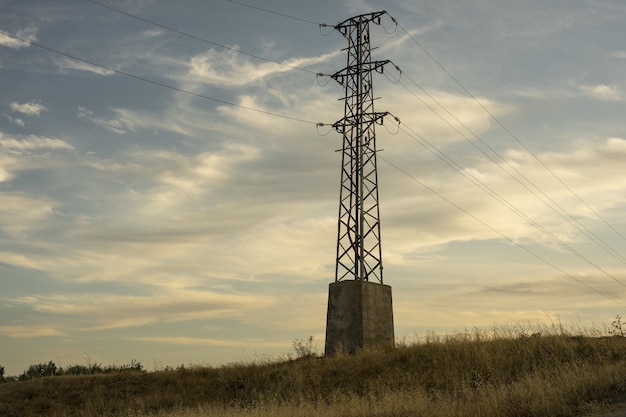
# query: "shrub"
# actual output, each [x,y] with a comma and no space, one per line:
[617,327]
[40,370]
[304,348]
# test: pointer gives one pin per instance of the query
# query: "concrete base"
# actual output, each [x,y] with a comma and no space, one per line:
[360,316]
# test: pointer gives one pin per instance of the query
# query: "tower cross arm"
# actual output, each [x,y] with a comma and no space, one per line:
[366,119]
[366,17]
[359,69]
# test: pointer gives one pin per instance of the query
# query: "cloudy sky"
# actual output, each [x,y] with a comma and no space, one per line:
[166,196]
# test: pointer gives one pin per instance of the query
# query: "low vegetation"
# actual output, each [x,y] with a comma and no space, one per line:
[504,372]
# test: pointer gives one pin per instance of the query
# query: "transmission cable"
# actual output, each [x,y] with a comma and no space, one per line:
[450,162]
[495,230]
[171,29]
[587,232]
[158,83]
[278,13]
[566,216]
[508,131]
[507,238]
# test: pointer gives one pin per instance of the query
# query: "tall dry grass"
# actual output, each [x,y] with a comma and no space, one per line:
[567,393]
[495,373]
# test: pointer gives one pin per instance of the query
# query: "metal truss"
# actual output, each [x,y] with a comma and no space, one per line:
[359,251]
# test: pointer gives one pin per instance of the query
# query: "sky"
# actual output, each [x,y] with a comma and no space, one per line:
[167,197]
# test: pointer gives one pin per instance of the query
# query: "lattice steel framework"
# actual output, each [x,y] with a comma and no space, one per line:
[359,251]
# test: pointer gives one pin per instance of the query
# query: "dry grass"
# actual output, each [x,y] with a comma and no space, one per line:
[473,374]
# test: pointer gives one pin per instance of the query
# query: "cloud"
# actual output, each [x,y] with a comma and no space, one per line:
[21,214]
[72,64]
[151,33]
[595,91]
[118,125]
[15,120]
[588,169]
[88,312]
[195,341]
[172,175]
[230,68]
[442,115]
[602,92]
[126,121]
[32,108]
[32,143]
[29,331]
[28,34]
[5,174]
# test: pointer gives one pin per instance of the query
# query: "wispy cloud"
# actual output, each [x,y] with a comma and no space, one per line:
[196,341]
[118,125]
[588,169]
[125,121]
[5,174]
[444,115]
[32,143]
[15,120]
[28,34]
[32,108]
[86,310]
[29,331]
[72,64]
[229,68]
[21,215]
[602,92]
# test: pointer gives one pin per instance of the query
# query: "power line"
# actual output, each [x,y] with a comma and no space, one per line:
[519,212]
[292,118]
[553,206]
[278,14]
[587,232]
[450,162]
[567,217]
[158,83]
[508,131]
[571,219]
[168,28]
[516,210]
[507,238]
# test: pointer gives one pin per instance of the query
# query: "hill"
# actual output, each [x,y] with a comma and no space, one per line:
[469,374]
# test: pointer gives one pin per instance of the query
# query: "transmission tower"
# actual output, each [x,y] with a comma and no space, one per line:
[359,305]
[359,251]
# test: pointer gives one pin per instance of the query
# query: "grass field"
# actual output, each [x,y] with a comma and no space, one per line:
[499,373]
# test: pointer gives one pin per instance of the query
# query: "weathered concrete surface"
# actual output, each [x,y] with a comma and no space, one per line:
[360,316]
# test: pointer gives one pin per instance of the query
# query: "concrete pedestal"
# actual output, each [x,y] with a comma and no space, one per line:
[360,316]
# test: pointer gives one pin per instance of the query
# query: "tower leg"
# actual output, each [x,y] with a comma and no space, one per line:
[360,316]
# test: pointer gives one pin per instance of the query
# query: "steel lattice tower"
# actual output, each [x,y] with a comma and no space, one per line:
[360,313]
[359,252]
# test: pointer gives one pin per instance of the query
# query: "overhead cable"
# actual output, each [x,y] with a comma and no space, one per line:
[508,131]
[278,13]
[158,83]
[168,28]
[450,162]
[502,235]
[543,197]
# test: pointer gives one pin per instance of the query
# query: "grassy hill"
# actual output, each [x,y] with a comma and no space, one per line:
[462,375]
